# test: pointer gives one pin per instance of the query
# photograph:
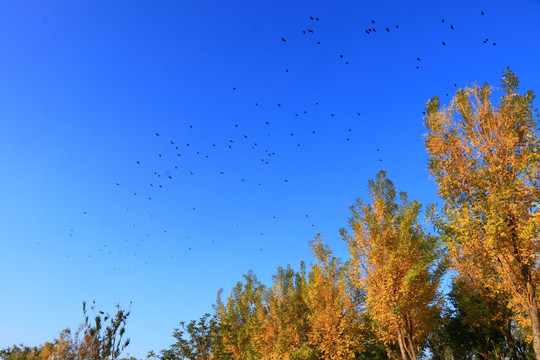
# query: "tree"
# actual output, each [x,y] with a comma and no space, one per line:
[333,311]
[20,352]
[102,341]
[397,264]
[99,341]
[201,343]
[240,321]
[284,316]
[485,160]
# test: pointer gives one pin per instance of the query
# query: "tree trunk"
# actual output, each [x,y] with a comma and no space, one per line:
[412,353]
[534,315]
[401,345]
[507,332]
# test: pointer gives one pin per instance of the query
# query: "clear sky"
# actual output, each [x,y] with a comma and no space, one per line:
[85,85]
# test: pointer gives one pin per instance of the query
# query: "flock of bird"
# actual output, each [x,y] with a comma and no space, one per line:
[178,149]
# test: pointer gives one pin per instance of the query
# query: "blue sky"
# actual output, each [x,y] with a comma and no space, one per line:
[84,87]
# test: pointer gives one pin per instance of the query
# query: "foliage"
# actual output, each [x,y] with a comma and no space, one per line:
[200,344]
[485,160]
[397,264]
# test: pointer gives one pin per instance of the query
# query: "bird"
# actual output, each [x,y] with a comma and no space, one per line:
[452,27]
[157,134]
[138,162]
[443,43]
[482,12]
[387,29]
[373,21]
[282,39]
[418,58]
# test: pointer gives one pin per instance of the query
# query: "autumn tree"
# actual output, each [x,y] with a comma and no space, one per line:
[334,315]
[485,159]
[100,340]
[284,316]
[20,352]
[239,320]
[397,264]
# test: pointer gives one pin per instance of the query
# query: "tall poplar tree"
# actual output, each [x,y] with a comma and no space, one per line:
[333,312]
[398,266]
[485,159]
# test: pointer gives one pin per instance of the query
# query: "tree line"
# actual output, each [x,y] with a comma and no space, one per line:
[386,300]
